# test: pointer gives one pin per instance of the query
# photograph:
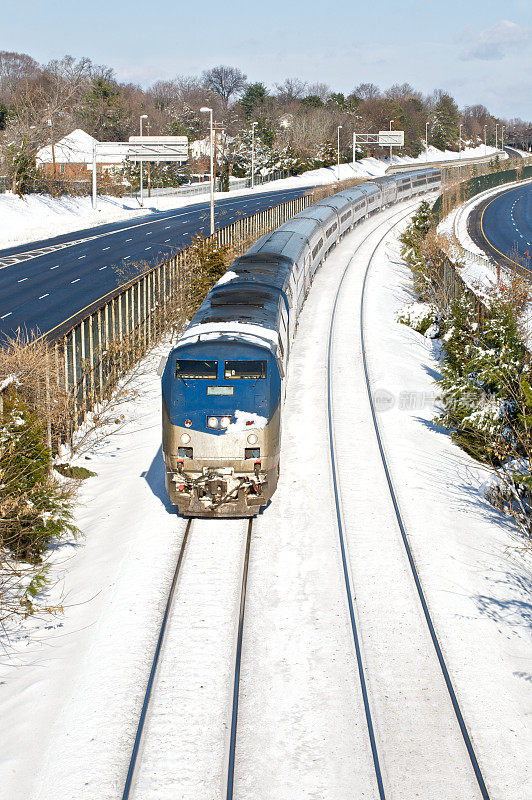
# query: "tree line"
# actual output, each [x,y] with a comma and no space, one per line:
[296,123]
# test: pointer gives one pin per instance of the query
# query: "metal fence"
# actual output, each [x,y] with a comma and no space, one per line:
[203,187]
[92,356]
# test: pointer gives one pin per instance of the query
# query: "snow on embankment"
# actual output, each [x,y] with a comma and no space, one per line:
[37,217]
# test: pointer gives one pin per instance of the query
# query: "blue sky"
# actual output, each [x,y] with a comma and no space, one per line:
[479,51]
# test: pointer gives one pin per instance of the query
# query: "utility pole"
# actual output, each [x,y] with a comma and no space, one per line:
[143,116]
[206,110]
[253,125]
[497,136]
[391,123]
[52,137]
[338,150]
[460,141]
[427,140]
[149,167]
[485,145]
[94,185]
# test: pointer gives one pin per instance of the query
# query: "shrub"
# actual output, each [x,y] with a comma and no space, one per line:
[35,509]
[421,317]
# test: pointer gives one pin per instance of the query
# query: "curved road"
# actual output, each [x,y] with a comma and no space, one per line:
[502,226]
[44,284]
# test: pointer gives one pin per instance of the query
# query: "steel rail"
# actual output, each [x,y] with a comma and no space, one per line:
[238,659]
[138,737]
[417,581]
[339,517]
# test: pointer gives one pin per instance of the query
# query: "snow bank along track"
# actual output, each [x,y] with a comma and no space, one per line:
[159,783]
[357,618]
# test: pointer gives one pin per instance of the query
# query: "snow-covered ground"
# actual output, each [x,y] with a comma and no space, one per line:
[478,271]
[301,725]
[37,217]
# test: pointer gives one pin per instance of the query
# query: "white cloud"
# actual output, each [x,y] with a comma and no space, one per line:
[493,44]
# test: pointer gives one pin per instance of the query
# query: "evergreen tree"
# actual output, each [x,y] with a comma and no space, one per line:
[444,133]
[253,98]
[34,507]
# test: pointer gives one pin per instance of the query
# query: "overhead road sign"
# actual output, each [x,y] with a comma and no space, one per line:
[380,139]
[158,148]
[391,138]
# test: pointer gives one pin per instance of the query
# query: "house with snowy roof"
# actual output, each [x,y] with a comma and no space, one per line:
[73,156]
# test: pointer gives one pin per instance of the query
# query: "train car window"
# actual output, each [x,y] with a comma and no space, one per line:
[205,370]
[251,370]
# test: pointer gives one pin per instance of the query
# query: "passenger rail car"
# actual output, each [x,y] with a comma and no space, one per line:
[223,384]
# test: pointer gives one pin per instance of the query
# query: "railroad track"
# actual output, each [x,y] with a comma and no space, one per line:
[143,731]
[377,751]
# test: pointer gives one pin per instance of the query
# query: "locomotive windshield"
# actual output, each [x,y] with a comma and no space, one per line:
[206,370]
[253,370]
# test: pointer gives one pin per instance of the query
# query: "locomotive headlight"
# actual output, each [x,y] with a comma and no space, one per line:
[225,422]
[253,438]
[185,438]
[212,422]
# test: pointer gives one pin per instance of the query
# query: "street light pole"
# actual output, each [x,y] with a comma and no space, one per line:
[149,167]
[338,150]
[253,126]
[206,110]
[460,141]
[391,123]
[497,136]
[143,116]
[427,140]
[502,136]
[485,145]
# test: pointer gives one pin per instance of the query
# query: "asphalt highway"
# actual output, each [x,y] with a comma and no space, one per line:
[502,226]
[44,284]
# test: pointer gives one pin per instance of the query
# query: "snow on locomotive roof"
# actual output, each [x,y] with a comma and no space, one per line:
[209,331]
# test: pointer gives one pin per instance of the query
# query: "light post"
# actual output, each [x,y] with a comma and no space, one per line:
[253,126]
[206,110]
[143,116]
[485,145]
[497,136]
[338,150]
[149,167]
[427,140]
[460,140]
[391,123]
[502,136]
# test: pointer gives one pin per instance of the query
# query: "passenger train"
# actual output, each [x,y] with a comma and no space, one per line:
[224,382]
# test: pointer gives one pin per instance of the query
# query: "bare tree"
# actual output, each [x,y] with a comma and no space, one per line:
[367,91]
[224,81]
[321,90]
[15,68]
[291,89]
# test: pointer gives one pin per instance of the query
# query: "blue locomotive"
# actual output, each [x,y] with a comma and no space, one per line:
[224,382]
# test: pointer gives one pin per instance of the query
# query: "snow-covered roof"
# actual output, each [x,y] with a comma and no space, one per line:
[76,148]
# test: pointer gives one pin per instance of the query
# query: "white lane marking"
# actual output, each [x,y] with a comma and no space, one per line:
[167,240]
[6,315]
[105,248]
[147,248]
[149,233]
[80,257]
[22,280]
[126,257]
[56,267]
[193,212]
[167,227]
[100,269]
[77,279]
[44,295]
